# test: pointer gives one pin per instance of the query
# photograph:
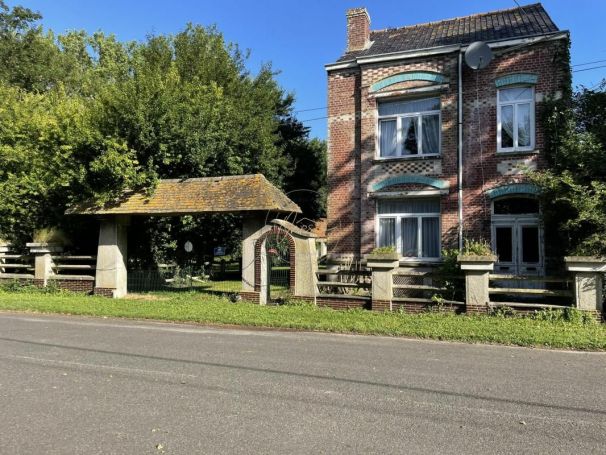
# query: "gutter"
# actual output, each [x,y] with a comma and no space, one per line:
[460,148]
[357,61]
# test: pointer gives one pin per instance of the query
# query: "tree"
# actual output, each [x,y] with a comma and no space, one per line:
[574,187]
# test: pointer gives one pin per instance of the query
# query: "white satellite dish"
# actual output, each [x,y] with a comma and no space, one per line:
[188,247]
[478,55]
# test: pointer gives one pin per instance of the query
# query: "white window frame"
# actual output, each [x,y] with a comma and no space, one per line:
[398,227]
[400,144]
[514,104]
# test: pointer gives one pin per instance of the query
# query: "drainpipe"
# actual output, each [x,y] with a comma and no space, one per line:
[460,150]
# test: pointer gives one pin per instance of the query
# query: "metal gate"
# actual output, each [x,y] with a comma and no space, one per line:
[277,250]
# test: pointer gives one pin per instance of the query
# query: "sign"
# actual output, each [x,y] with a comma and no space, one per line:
[219,251]
[189,247]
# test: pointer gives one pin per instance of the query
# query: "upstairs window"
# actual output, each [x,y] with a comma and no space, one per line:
[515,119]
[409,128]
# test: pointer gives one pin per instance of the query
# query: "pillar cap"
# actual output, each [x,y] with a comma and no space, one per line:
[382,260]
[585,264]
[472,262]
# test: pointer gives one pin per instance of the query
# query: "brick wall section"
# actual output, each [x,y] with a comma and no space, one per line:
[250,296]
[342,303]
[358,29]
[104,292]
[418,307]
[352,167]
[86,286]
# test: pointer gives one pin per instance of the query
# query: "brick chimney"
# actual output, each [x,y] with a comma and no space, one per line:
[358,29]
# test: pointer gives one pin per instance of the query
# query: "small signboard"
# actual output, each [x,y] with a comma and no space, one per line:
[219,251]
[189,247]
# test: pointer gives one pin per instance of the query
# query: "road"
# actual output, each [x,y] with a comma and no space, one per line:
[82,385]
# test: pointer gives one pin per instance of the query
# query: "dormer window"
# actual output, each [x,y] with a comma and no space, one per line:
[409,128]
[515,119]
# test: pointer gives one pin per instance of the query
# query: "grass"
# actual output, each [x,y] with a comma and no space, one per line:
[207,309]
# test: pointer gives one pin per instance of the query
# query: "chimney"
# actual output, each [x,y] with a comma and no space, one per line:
[358,29]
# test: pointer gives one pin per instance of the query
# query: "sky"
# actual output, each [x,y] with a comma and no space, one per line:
[300,37]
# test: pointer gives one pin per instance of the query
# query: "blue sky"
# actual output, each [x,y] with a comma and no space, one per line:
[299,37]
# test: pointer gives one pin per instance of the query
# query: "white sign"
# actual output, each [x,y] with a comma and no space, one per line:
[189,247]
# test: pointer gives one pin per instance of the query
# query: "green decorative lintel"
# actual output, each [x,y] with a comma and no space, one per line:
[405,179]
[516,188]
[428,76]
[518,78]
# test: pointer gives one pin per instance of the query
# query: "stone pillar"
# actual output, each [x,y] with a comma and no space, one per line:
[252,229]
[110,279]
[477,270]
[588,280]
[382,267]
[43,261]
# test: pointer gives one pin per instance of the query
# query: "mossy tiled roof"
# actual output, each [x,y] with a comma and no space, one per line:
[238,193]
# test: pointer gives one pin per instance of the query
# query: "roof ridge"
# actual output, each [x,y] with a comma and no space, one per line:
[474,15]
[199,179]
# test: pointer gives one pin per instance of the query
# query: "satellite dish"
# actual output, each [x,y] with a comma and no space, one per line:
[478,55]
[189,247]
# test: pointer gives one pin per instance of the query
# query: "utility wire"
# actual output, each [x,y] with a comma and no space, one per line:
[588,69]
[312,109]
[588,63]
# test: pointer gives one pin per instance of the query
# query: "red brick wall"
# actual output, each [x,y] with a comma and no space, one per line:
[358,29]
[342,303]
[352,168]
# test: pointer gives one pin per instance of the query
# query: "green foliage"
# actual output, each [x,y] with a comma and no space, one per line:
[450,277]
[199,308]
[569,315]
[574,188]
[476,248]
[384,250]
[87,116]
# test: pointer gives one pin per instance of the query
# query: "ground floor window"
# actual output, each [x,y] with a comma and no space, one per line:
[411,225]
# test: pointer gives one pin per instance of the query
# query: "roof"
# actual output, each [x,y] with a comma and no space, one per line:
[526,21]
[238,193]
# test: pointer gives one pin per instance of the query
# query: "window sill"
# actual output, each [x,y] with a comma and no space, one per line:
[517,152]
[407,158]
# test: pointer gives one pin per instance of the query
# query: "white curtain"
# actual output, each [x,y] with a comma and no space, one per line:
[389,141]
[409,135]
[409,107]
[387,232]
[430,231]
[431,134]
[523,116]
[409,205]
[506,126]
[409,237]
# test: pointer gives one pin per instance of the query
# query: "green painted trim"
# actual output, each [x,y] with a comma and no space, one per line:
[404,179]
[436,78]
[516,188]
[519,78]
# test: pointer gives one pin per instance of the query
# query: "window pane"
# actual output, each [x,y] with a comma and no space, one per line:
[409,237]
[516,206]
[515,94]
[409,135]
[506,126]
[523,119]
[387,232]
[431,134]
[388,138]
[430,231]
[504,244]
[408,106]
[409,205]
[530,244]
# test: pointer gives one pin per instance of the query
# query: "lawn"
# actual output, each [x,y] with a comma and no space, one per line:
[208,309]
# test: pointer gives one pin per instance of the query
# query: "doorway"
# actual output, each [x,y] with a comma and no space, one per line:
[517,236]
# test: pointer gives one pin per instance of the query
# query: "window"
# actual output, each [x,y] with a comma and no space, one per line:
[411,225]
[515,119]
[409,128]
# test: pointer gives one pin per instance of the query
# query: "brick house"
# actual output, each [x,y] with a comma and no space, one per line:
[424,151]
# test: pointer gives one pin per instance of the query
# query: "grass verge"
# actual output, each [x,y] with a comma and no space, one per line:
[195,307]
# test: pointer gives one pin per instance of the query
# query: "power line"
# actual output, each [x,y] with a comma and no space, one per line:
[312,119]
[312,109]
[587,69]
[588,63]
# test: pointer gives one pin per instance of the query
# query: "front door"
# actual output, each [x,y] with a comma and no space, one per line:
[517,237]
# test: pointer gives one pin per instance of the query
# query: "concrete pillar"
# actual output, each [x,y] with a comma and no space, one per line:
[588,280]
[306,267]
[111,277]
[251,231]
[4,248]
[382,267]
[43,261]
[477,270]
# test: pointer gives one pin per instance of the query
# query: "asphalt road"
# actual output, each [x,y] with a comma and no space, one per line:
[79,385]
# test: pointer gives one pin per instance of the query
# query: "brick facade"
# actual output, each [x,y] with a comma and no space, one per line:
[352,140]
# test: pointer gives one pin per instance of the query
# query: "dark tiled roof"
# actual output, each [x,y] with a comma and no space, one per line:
[238,193]
[529,20]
